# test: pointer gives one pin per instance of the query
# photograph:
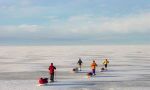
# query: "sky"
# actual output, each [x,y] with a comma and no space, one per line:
[74,22]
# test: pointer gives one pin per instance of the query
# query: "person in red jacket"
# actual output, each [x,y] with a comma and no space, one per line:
[51,71]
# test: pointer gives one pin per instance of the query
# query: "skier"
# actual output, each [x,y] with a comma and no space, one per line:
[105,62]
[51,71]
[93,66]
[80,63]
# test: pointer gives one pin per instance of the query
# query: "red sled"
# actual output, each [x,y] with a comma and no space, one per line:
[43,81]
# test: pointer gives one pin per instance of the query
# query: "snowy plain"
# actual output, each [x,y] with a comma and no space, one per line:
[22,66]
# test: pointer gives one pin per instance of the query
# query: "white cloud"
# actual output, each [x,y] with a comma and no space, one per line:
[30,28]
[132,23]
[87,24]
[23,27]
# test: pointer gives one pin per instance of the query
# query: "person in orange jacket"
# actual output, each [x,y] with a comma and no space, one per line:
[93,66]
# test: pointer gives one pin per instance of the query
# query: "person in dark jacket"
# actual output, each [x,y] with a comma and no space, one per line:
[51,71]
[80,63]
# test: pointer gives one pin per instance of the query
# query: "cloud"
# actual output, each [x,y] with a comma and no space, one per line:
[128,24]
[88,24]
[84,26]
[30,28]
[22,27]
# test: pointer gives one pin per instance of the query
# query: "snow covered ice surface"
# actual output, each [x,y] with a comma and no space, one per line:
[22,66]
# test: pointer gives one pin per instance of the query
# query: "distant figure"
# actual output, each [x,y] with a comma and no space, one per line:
[80,63]
[51,71]
[105,62]
[93,66]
